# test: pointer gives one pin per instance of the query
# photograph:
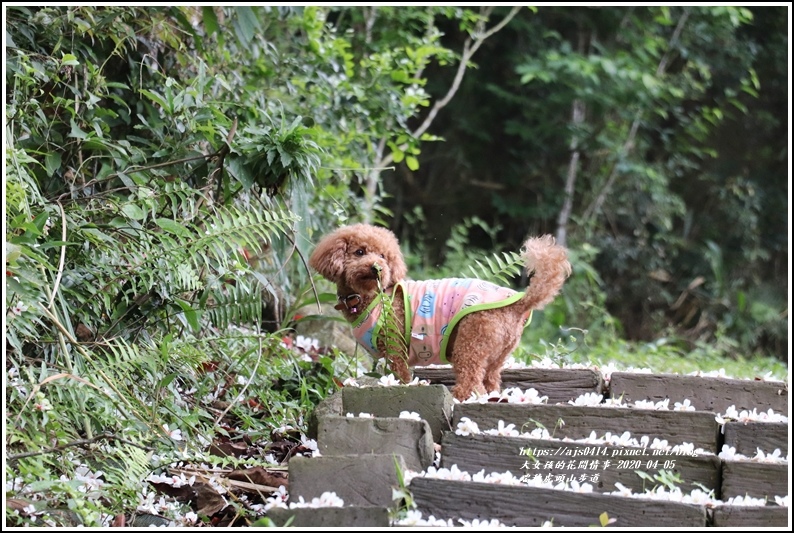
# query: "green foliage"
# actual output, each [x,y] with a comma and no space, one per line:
[657,115]
[498,268]
[394,338]
[167,169]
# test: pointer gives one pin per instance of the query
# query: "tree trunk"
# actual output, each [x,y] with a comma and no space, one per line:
[577,117]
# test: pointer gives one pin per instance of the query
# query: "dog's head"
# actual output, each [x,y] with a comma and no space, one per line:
[354,256]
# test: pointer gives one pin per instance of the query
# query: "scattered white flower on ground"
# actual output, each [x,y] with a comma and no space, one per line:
[733,415]
[350,382]
[728,453]
[175,434]
[512,362]
[625,439]
[774,457]
[307,344]
[190,518]
[614,402]
[650,404]
[685,448]
[311,444]
[606,371]
[359,415]
[467,427]
[218,484]
[389,381]
[476,523]
[15,484]
[414,518]
[748,501]
[496,478]
[546,362]
[18,308]
[581,488]
[410,415]
[411,518]
[589,399]
[453,473]
[277,499]
[271,459]
[592,439]
[684,406]
[326,499]
[510,395]
[503,430]
[699,497]
[611,367]
[622,490]
[782,500]
[174,480]
[710,374]
[92,481]
[537,433]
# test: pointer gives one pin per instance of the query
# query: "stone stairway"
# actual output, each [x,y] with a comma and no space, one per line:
[364,459]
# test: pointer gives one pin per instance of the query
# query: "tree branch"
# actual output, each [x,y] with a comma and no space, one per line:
[470,46]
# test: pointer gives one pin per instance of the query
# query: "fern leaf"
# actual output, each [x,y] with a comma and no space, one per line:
[498,268]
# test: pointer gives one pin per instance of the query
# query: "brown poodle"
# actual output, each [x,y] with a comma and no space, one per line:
[470,323]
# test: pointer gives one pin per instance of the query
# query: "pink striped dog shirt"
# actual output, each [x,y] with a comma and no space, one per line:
[433,308]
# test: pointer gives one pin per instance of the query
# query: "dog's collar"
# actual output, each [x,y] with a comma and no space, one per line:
[351,302]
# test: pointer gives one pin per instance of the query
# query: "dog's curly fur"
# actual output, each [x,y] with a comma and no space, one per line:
[482,340]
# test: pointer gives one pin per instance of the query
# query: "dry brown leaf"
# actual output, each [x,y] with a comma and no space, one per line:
[260,476]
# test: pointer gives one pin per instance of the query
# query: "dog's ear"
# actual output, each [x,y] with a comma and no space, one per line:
[397,263]
[329,257]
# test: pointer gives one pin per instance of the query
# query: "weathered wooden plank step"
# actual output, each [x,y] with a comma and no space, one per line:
[559,384]
[676,427]
[524,506]
[612,464]
[754,517]
[747,437]
[323,517]
[705,393]
[750,478]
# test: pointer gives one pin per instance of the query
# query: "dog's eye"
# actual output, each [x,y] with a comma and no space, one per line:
[359,252]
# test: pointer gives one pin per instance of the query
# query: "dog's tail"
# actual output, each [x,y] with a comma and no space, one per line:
[547,267]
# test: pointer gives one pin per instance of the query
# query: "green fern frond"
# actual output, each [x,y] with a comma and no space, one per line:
[234,228]
[235,305]
[394,339]
[498,268]
[124,464]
